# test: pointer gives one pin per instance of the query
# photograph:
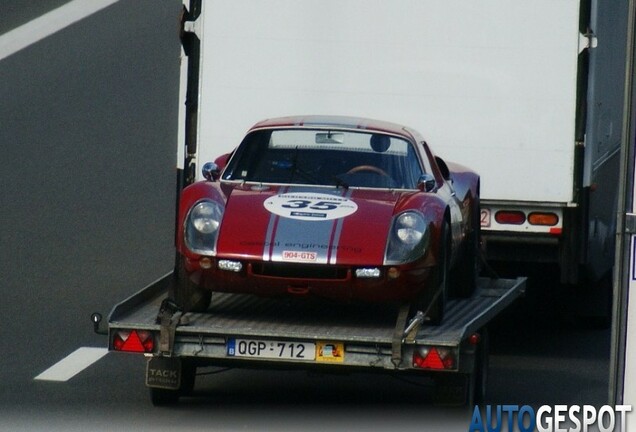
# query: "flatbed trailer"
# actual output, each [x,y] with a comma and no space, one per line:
[247,331]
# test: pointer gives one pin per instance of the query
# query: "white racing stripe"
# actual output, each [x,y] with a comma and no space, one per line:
[73,364]
[49,23]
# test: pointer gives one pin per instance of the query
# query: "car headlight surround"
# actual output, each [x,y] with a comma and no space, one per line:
[202,227]
[408,238]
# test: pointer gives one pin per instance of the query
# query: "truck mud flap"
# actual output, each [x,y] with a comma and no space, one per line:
[164,373]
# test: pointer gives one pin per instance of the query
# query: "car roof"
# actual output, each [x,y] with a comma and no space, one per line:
[339,122]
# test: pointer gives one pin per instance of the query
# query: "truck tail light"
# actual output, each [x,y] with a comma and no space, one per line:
[439,358]
[547,219]
[140,341]
[510,217]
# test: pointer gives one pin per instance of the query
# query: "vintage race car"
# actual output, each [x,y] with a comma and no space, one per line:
[343,208]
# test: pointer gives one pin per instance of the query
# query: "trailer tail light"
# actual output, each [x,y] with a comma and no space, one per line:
[546,219]
[140,341]
[439,358]
[510,217]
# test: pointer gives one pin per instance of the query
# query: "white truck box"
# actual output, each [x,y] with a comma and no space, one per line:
[525,93]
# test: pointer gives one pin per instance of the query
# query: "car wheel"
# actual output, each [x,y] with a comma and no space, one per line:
[433,301]
[189,296]
[466,271]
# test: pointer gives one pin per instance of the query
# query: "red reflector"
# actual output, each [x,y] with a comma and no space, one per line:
[474,339]
[556,231]
[134,341]
[510,217]
[548,219]
[432,360]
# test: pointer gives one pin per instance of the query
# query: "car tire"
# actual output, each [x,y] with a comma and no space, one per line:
[186,294]
[465,273]
[428,301]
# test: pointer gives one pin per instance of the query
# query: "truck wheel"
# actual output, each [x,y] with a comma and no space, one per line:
[189,296]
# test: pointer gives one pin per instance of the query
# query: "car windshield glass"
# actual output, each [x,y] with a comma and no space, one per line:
[324,157]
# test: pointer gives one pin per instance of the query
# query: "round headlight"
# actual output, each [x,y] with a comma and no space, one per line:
[202,227]
[409,239]
[410,228]
[205,217]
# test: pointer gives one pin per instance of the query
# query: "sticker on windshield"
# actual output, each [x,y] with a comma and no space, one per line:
[310,206]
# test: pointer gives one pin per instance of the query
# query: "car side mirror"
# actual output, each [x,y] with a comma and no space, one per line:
[426,183]
[211,171]
[443,168]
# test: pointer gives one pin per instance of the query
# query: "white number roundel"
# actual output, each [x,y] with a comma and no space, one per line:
[310,206]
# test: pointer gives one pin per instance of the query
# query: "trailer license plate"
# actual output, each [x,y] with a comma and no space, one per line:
[271,349]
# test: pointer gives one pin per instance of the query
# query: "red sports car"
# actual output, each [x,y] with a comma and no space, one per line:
[344,208]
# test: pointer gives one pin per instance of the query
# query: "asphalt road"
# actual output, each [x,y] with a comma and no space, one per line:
[17,13]
[88,129]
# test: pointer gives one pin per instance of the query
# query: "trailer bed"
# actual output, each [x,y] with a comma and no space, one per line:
[369,334]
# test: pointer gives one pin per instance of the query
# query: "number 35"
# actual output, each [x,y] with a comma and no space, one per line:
[320,205]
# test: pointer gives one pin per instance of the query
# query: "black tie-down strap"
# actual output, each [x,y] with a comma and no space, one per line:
[168,318]
[398,335]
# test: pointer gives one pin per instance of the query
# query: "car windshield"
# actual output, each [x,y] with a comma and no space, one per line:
[325,157]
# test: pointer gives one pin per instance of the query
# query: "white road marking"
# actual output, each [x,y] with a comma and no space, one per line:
[73,364]
[49,23]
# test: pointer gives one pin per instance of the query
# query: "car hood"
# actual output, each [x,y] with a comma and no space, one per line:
[307,225]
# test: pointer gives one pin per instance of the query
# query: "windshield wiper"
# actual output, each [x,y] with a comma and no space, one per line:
[340,182]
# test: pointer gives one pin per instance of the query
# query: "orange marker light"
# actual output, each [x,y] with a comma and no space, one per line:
[547,219]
